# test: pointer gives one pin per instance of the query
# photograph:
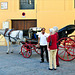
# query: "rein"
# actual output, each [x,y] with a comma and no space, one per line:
[6,31]
[8,35]
[15,38]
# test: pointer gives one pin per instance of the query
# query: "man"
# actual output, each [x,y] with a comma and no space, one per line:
[42,42]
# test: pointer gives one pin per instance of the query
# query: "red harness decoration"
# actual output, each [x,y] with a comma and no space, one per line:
[9,32]
[6,31]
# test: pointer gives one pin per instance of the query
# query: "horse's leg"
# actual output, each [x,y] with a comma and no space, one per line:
[20,48]
[7,40]
[11,47]
[21,39]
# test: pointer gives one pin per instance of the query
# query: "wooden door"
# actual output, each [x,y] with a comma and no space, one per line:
[23,24]
[30,24]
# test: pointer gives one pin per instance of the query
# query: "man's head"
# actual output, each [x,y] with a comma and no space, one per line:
[43,30]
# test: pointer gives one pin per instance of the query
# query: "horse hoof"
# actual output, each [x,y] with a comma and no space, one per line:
[7,53]
[20,53]
[11,52]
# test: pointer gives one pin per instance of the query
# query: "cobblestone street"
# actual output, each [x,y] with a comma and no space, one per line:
[16,64]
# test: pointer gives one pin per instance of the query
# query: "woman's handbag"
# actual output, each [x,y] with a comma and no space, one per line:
[50,43]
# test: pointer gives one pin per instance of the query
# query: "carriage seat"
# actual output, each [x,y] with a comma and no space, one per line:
[32,41]
[27,37]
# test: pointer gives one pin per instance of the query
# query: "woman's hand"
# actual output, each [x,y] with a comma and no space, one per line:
[48,46]
[48,49]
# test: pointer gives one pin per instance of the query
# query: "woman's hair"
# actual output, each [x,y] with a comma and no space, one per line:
[55,28]
[52,31]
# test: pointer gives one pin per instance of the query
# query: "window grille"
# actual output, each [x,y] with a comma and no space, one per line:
[26,4]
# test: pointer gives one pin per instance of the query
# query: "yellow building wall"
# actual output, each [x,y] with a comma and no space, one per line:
[48,13]
[55,13]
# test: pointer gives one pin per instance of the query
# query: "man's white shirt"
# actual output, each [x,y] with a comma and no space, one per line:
[43,39]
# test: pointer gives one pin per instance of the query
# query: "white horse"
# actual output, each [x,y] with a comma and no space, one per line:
[17,35]
[12,36]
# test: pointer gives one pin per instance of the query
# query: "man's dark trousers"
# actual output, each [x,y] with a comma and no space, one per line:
[44,48]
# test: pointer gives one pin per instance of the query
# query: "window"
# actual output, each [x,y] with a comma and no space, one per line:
[26,4]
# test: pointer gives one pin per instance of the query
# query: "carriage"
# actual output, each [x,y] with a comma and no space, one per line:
[66,43]
[31,42]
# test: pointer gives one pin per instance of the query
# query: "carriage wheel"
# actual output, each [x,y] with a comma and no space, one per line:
[37,49]
[26,51]
[72,49]
[64,47]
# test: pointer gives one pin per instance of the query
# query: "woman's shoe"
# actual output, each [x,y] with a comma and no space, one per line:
[50,69]
[55,69]
[57,65]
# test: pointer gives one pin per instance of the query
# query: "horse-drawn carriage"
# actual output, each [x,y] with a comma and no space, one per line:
[31,42]
[66,43]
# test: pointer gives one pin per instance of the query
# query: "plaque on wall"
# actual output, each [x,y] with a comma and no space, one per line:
[4,5]
[5,24]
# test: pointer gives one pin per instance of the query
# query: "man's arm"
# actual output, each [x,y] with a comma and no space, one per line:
[47,38]
[38,40]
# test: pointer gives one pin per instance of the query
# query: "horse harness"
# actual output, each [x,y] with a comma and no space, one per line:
[15,38]
[6,31]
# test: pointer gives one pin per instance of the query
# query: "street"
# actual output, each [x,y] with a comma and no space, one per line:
[16,64]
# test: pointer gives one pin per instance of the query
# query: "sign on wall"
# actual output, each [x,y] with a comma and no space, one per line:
[5,24]
[23,14]
[4,5]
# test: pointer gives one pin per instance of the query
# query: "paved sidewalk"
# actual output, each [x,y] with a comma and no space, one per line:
[15,64]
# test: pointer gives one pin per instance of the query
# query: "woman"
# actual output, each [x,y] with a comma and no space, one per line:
[52,50]
[57,59]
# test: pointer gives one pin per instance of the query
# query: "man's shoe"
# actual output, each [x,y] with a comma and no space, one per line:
[41,61]
[50,69]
